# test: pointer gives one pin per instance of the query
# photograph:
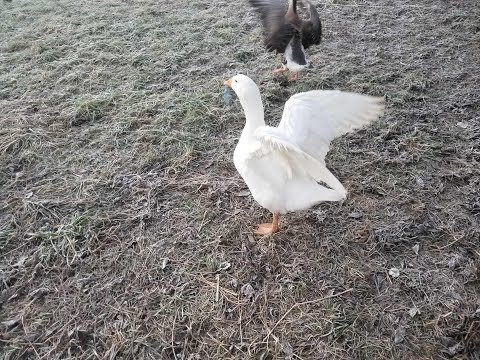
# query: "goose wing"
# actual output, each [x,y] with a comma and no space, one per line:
[312,28]
[278,31]
[295,162]
[312,119]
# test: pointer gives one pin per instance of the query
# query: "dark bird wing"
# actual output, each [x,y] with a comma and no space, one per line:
[278,32]
[312,28]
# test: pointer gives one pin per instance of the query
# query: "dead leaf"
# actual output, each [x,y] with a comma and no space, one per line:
[453,262]
[164,263]
[247,290]
[37,293]
[394,272]
[21,261]
[355,215]
[453,350]
[233,283]
[243,193]
[420,182]
[399,335]
[287,350]
[10,323]
[415,248]
[413,311]
[224,266]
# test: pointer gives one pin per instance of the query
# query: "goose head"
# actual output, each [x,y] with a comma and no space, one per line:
[249,95]
[243,86]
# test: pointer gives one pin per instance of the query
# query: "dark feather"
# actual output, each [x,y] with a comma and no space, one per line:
[279,40]
[278,32]
[312,28]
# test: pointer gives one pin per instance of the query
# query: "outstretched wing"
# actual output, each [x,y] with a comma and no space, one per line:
[311,120]
[312,28]
[278,31]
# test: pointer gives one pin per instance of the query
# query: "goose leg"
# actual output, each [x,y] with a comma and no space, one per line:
[293,77]
[280,70]
[283,68]
[267,228]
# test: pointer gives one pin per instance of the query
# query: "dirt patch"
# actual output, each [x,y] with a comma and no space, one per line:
[126,232]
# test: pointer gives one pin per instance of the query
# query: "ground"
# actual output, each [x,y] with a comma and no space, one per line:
[125,231]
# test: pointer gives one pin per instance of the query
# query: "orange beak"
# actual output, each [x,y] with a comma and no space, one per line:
[228,82]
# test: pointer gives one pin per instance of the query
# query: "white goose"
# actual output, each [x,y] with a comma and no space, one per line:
[283,166]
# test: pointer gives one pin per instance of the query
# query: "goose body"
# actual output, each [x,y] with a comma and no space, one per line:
[283,166]
[286,32]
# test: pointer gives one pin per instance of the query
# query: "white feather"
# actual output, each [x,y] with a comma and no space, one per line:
[283,166]
[313,119]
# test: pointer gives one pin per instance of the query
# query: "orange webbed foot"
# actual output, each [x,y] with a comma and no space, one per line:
[264,229]
[293,77]
[280,70]
[269,228]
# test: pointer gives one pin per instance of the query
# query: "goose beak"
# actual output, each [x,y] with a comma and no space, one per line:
[228,82]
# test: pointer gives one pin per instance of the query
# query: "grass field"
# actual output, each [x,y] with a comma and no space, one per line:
[126,233]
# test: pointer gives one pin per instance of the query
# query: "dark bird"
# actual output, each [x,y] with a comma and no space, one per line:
[286,33]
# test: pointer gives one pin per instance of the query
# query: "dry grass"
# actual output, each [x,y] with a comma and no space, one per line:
[125,231]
